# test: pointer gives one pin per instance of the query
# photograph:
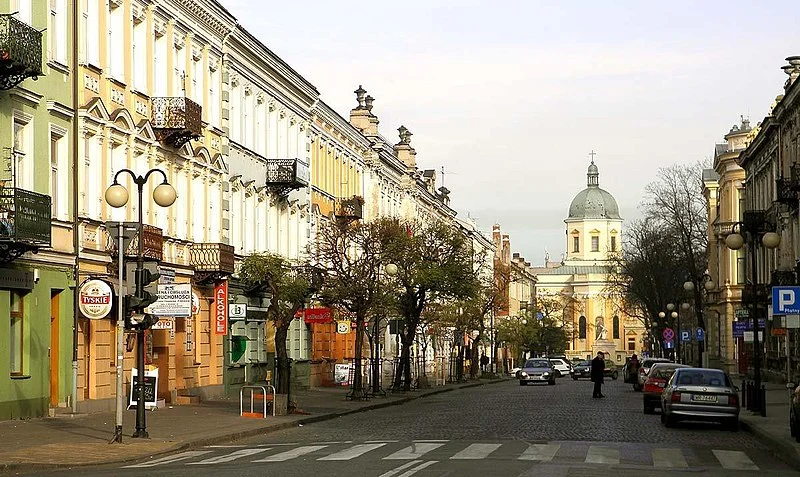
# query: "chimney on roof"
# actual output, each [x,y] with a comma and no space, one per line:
[361,116]
[403,149]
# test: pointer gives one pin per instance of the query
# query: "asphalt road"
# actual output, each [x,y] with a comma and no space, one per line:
[494,430]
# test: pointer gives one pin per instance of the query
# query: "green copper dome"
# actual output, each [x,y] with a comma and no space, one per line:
[593,202]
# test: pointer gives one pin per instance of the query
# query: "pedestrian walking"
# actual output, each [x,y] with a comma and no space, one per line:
[598,366]
[484,362]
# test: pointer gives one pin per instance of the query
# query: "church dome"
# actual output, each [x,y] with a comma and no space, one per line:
[593,202]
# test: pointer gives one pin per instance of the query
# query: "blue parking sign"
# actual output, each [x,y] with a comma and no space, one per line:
[700,334]
[686,336]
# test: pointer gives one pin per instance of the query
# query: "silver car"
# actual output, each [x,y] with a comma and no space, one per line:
[537,370]
[644,370]
[700,394]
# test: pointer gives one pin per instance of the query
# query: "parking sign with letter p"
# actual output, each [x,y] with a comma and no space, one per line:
[784,300]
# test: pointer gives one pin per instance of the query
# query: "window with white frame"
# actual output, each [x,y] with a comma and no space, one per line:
[237,204]
[178,69]
[90,42]
[197,81]
[246,124]
[115,59]
[213,98]
[199,219]
[117,162]
[595,243]
[182,206]
[139,54]
[17,334]
[58,172]
[23,10]
[57,32]
[214,217]
[23,151]
[233,106]
[160,58]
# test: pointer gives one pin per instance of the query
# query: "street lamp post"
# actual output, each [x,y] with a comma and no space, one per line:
[699,305]
[117,196]
[675,318]
[390,269]
[755,229]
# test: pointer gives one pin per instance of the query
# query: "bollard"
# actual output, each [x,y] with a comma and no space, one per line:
[763,400]
[744,394]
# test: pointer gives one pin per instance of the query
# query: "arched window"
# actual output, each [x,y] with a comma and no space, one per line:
[582,327]
[616,328]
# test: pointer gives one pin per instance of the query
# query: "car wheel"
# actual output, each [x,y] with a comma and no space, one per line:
[732,424]
[636,387]
[522,383]
[669,421]
[648,409]
[551,382]
[574,378]
[614,375]
[557,373]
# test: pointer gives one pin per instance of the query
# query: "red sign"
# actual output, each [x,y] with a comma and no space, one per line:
[318,315]
[668,334]
[221,308]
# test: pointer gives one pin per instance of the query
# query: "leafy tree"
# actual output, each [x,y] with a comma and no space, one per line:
[290,287]
[351,251]
[435,263]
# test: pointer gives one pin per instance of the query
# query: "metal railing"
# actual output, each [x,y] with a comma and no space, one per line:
[20,51]
[24,216]
[254,396]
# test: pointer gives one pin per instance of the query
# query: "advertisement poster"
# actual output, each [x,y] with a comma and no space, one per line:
[221,308]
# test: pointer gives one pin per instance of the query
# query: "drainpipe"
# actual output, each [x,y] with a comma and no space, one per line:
[75,223]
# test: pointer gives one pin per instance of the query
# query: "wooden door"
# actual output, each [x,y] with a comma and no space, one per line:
[54,347]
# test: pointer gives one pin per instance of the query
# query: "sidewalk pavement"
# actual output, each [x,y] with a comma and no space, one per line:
[774,428]
[72,440]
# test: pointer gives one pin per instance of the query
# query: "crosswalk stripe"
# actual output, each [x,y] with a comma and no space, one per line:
[602,455]
[413,471]
[476,451]
[414,451]
[669,458]
[291,454]
[734,460]
[396,470]
[168,460]
[232,456]
[543,452]
[353,452]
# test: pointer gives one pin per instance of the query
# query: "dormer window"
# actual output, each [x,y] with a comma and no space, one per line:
[576,244]
[613,243]
[595,243]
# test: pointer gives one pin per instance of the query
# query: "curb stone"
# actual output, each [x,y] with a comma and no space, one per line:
[783,449]
[230,437]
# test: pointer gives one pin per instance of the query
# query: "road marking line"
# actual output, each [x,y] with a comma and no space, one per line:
[232,456]
[411,472]
[431,440]
[331,442]
[476,451]
[413,451]
[401,468]
[224,447]
[281,444]
[168,459]
[602,455]
[734,460]
[291,454]
[353,452]
[543,452]
[376,442]
[669,458]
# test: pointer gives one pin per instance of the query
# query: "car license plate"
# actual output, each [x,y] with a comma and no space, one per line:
[704,398]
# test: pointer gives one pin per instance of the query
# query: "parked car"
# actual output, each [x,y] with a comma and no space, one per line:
[537,370]
[647,363]
[581,369]
[514,372]
[611,370]
[561,366]
[657,380]
[794,411]
[700,394]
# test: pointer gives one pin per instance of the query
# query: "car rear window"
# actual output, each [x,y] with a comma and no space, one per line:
[537,363]
[702,378]
[663,372]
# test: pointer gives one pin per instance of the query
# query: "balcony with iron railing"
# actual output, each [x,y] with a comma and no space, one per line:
[153,239]
[349,208]
[212,261]
[285,175]
[785,192]
[24,222]
[20,51]
[176,120]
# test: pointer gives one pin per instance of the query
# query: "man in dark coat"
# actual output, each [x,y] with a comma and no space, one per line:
[598,366]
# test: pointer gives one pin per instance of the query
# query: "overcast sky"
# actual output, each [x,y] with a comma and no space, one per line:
[510,97]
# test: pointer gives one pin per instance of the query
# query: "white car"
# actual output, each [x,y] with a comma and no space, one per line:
[562,367]
[514,371]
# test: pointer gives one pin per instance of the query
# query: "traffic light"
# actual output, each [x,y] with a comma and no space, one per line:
[144,277]
[134,306]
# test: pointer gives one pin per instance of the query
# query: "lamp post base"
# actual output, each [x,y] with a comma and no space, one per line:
[141,433]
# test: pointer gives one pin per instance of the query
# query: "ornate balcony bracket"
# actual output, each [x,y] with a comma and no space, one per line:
[286,175]
[176,120]
[349,208]
[20,52]
[24,222]
[212,261]
[782,278]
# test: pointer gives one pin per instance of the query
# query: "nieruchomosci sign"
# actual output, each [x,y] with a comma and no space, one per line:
[174,299]
[95,299]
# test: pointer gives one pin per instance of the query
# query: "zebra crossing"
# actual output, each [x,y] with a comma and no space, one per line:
[426,453]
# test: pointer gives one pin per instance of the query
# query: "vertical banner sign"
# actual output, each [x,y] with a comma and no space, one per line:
[221,308]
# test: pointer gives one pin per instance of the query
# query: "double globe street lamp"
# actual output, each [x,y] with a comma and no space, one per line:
[673,315]
[756,230]
[708,286]
[117,196]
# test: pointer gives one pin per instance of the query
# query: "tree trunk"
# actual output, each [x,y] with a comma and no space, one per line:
[402,378]
[281,357]
[357,391]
